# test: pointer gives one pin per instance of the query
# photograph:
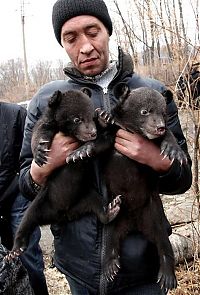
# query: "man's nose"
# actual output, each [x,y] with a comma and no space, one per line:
[86,45]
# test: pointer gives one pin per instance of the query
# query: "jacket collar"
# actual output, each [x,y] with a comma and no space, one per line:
[124,68]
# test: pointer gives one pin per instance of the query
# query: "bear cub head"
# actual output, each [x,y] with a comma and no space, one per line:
[73,113]
[142,110]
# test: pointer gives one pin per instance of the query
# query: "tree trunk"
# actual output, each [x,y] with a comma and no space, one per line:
[186,50]
[164,32]
[185,241]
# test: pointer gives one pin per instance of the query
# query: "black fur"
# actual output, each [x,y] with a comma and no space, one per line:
[143,111]
[140,111]
[68,192]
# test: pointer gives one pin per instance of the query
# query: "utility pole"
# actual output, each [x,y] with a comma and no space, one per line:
[26,77]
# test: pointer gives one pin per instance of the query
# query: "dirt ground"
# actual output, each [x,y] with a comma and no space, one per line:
[188,276]
[57,284]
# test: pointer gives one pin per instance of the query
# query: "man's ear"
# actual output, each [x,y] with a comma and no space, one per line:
[87,91]
[55,100]
[121,91]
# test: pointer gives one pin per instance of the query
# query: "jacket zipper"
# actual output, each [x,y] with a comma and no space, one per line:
[105,90]
[106,100]
[103,282]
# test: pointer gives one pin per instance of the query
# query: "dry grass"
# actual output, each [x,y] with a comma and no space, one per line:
[188,276]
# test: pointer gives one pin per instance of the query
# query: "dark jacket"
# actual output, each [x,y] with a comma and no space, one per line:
[80,245]
[12,120]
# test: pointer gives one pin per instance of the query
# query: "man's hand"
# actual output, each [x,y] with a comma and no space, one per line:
[61,147]
[141,150]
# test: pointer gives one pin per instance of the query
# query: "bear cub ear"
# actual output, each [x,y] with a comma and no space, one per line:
[55,100]
[168,95]
[87,91]
[121,91]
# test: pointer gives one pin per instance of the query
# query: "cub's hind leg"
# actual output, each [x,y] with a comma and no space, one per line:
[40,212]
[153,224]
[116,232]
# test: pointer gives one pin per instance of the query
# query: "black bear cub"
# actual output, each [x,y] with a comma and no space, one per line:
[68,192]
[142,111]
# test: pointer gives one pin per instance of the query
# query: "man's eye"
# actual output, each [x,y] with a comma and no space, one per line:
[70,40]
[92,33]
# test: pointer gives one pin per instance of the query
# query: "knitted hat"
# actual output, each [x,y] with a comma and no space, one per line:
[64,10]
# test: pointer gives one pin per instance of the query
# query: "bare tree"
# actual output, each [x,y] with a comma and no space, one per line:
[146,47]
[168,14]
[196,15]
[164,30]
[152,30]
[41,73]
[126,28]
[183,28]
[177,30]
[11,74]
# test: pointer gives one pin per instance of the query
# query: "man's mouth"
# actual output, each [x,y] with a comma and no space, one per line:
[88,61]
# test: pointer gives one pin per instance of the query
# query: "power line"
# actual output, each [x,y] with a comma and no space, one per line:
[26,76]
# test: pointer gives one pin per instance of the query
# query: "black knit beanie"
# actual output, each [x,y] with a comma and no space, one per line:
[63,10]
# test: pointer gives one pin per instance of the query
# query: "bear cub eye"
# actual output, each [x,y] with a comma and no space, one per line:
[144,112]
[77,120]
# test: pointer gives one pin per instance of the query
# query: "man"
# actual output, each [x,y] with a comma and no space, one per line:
[12,203]
[83,28]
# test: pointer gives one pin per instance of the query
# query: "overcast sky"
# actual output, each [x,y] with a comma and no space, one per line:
[41,43]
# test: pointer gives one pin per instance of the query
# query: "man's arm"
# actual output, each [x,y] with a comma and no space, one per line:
[141,150]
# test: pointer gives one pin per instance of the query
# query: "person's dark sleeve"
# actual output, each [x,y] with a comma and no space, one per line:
[26,155]
[179,178]
[20,129]
[21,120]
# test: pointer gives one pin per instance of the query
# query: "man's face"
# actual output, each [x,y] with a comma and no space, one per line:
[86,40]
